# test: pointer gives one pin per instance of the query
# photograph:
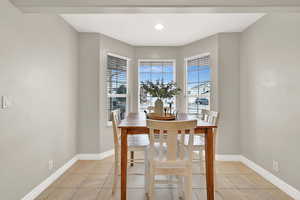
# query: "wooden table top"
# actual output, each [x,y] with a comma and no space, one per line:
[135,120]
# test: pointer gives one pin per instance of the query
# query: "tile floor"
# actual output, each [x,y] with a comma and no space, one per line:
[92,180]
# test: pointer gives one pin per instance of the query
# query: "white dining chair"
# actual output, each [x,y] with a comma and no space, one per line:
[199,140]
[135,143]
[166,156]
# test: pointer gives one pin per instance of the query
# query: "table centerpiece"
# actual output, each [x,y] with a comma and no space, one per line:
[162,91]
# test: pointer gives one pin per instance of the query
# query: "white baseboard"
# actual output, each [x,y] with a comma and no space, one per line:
[228,157]
[46,183]
[96,156]
[291,191]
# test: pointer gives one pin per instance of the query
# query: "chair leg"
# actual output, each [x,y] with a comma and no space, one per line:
[116,173]
[151,184]
[180,187]
[188,187]
[146,172]
[131,158]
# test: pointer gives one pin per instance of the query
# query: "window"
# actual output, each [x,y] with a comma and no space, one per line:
[116,79]
[198,84]
[152,71]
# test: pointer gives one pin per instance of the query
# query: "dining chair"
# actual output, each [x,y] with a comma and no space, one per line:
[135,143]
[167,156]
[199,140]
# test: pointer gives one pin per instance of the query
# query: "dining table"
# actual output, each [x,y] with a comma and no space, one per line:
[135,123]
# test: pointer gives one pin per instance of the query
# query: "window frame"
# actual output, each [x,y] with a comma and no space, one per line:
[186,79]
[154,60]
[109,123]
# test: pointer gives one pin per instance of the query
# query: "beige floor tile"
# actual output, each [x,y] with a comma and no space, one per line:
[250,181]
[277,194]
[259,181]
[242,169]
[201,194]
[229,194]
[253,194]
[222,182]
[86,194]
[61,194]
[132,194]
[93,181]
[240,181]
[139,194]
[101,169]
[106,194]
[71,181]
[263,194]
[171,194]
[227,167]
[133,181]
[110,159]
[82,166]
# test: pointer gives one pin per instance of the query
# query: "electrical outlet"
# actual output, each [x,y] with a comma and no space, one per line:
[6,102]
[51,164]
[275,166]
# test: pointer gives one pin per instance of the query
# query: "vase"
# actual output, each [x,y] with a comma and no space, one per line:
[159,107]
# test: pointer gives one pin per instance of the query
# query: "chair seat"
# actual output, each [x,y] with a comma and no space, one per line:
[198,140]
[138,141]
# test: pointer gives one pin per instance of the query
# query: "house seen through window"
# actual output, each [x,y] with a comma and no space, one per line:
[198,84]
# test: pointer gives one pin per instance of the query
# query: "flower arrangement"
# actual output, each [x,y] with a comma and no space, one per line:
[161,90]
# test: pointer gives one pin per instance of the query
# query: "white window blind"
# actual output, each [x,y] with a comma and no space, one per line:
[198,84]
[154,71]
[116,79]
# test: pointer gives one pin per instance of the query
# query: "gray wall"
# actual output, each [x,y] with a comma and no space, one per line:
[228,138]
[270,94]
[88,118]
[38,70]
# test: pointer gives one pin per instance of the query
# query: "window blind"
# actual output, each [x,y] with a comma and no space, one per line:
[116,80]
[200,61]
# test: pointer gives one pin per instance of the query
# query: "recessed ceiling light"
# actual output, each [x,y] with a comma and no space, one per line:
[159,27]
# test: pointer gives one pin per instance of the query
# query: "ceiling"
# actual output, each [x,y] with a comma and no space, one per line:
[179,29]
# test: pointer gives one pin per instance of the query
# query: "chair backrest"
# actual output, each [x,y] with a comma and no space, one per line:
[115,121]
[168,134]
[210,116]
